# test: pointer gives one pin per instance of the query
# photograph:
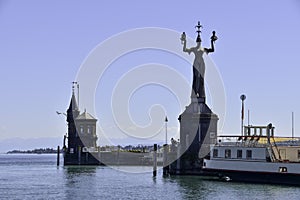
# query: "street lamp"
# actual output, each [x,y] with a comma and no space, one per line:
[166,123]
[243,98]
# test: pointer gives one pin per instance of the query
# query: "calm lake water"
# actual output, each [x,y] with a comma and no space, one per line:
[38,177]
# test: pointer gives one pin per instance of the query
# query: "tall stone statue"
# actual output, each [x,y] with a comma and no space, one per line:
[198,123]
[198,89]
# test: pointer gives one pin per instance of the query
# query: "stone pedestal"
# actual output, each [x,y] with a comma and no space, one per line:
[198,130]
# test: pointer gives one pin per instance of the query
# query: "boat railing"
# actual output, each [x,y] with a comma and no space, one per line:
[240,141]
[257,141]
[258,136]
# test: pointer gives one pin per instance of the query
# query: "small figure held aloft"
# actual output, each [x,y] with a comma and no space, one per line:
[198,89]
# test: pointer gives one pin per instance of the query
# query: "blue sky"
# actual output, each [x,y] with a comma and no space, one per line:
[44,43]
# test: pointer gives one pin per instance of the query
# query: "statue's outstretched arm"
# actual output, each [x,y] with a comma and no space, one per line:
[212,42]
[186,49]
[212,48]
[183,41]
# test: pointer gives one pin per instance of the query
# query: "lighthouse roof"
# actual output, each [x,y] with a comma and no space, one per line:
[85,116]
[73,103]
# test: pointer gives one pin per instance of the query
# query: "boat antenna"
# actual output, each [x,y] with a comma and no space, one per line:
[248,117]
[293,126]
[78,94]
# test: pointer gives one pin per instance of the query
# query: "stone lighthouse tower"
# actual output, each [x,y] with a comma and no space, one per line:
[82,138]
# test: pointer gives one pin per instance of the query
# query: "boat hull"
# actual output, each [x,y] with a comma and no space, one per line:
[255,177]
[256,172]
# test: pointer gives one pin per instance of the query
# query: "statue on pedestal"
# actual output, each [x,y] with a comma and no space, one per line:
[198,89]
[198,123]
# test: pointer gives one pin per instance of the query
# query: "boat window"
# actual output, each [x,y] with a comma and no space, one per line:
[239,153]
[215,153]
[227,153]
[249,154]
[282,169]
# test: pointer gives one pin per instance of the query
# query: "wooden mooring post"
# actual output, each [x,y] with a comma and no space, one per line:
[58,153]
[165,160]
[155,160]
[79,155]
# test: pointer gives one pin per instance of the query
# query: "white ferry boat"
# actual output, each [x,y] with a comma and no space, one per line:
[257,156]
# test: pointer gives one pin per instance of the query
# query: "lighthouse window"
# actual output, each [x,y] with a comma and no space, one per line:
[248,154]
[227,153]
[215,153]
[88,129]
[298,154]
[81,129]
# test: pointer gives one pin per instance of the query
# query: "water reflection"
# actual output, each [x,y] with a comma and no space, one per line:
[96,182]
[76,170]
[196,187]
[78,180]
[39,178]
[190,187]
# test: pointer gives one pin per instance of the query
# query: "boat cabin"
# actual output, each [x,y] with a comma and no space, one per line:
[254,145]
[257,144]
[238,153]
